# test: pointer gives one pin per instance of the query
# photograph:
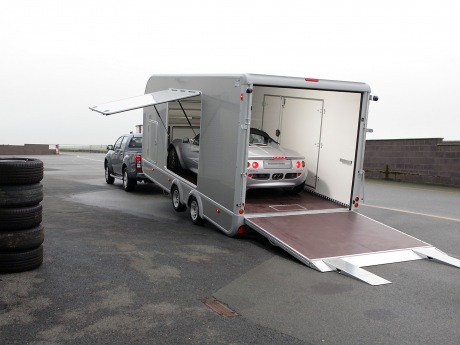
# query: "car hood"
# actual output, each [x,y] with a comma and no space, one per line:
[264,152]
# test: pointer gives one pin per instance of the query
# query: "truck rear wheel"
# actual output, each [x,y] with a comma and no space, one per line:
[175,197]
[195,212]
[128,183]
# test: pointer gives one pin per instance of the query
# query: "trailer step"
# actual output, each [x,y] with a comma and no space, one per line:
[353,271]
[432,253]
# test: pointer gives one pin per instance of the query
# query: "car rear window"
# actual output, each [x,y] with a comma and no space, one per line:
[135,143]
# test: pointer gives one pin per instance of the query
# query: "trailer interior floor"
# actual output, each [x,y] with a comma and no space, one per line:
[276,200]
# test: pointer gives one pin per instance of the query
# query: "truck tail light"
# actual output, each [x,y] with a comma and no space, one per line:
[255,165]
[298,165]
[303,164]
[138,162]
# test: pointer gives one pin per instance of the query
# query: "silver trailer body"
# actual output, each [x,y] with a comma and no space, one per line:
[324,120]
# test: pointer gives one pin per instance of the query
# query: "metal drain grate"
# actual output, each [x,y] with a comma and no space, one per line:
[219,307]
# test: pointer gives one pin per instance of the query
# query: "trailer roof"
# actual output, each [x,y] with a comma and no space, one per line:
[282,81]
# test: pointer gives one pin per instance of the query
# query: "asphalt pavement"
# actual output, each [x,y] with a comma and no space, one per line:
[125,268]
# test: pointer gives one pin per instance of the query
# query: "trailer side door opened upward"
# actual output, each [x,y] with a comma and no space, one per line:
[324,120]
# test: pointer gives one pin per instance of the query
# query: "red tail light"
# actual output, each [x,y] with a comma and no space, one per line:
[298,165]
[255,165]
[138,162]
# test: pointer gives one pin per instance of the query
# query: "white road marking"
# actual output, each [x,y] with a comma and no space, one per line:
[411,212]
[91,159]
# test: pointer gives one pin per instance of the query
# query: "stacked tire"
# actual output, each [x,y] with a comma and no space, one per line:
[21,232]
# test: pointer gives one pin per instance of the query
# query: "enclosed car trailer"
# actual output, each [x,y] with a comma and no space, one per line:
[322,119]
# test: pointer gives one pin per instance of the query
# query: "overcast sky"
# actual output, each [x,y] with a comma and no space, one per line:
[60,57]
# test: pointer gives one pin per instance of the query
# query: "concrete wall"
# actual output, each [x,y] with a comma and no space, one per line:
[27,149]
[431,161]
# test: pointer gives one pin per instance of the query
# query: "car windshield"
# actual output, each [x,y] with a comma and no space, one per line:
[259,138]
[136,142]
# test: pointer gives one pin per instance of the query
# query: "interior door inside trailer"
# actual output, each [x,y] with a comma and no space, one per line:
[321,125]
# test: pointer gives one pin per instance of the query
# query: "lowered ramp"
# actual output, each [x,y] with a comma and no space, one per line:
[343,241]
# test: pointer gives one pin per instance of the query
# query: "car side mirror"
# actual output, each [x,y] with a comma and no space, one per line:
[109,147]
[185,140]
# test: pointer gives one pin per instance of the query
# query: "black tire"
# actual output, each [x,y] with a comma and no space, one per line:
[109,179]
[175,198]
[296,189]
[20,196]
[195,211]
[20,218]
[128,183]
[173,162]
[21,261]
[21,240]
[18,171]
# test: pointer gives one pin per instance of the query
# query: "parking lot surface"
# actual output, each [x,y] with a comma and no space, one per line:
[125,268]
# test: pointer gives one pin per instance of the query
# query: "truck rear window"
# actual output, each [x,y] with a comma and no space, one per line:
[135,143]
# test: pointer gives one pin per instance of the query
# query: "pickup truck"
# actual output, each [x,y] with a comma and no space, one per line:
[124,161]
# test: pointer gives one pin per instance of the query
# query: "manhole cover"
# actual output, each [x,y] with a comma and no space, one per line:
[219,307]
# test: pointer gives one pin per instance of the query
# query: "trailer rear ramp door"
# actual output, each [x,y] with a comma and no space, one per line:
[343,241]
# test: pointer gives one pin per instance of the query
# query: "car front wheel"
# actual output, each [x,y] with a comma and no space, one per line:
[173,161]
[109,179]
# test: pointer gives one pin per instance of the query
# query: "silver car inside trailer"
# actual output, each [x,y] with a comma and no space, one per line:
[325,121]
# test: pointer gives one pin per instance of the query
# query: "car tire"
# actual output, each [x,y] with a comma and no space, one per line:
[20,196]
[195,211]
[20,218]
[296,189]
[21,261]
[175,198]
[20,171]
[128,183]
[173,162]
[21,240]
[108,178]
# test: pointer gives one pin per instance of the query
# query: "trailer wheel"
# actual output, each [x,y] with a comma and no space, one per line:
[19,196]
[128,183]
[175,197]
[109,179]
[21,261]
[14,171]
[195,211]
[173,162]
